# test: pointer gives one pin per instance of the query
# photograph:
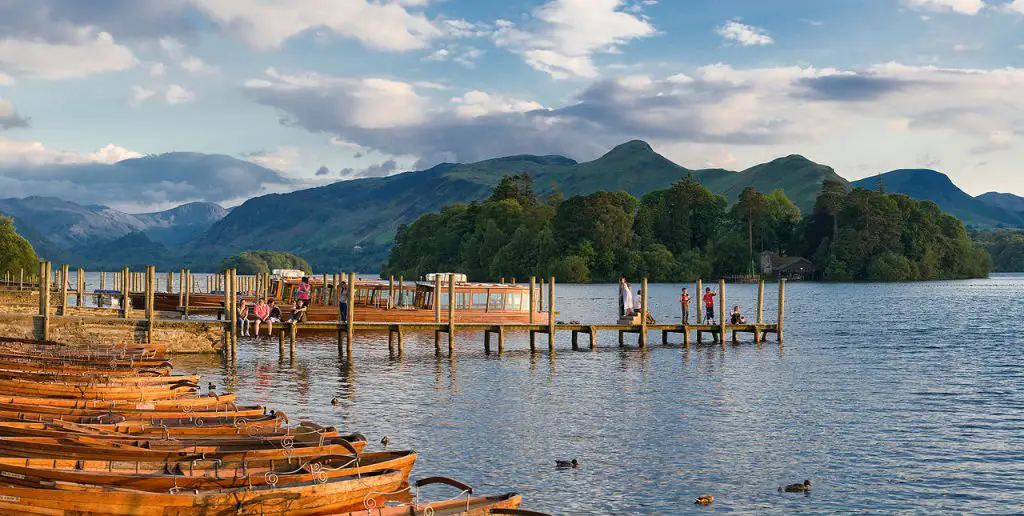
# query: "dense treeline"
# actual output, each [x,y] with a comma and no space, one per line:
[256,262]
[1005,246]
[16,254]
[685,232]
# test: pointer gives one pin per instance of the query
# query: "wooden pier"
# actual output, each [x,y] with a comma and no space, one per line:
[230,284]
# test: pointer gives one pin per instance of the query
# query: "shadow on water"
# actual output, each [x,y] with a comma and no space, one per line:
[889,397]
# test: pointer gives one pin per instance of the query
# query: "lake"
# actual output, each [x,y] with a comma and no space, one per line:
[886,396]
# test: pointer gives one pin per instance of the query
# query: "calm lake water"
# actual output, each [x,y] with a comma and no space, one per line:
[888,397]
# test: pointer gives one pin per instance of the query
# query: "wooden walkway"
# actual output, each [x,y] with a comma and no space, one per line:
[491,332]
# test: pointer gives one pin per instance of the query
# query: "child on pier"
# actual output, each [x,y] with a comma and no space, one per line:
[262,313]
[243,318]
[298,312]
[737,317]
[709,306]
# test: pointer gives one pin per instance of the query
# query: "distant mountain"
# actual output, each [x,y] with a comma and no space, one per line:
[134,250]
[68,232]
[929,185]
[1003,200]
[182,224]
[353,223]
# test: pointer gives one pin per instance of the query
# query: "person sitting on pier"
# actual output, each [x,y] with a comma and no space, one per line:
[262,313]
[737,317]
[275,316]
[243,318]
[298,312]
[709,306]
[638,307]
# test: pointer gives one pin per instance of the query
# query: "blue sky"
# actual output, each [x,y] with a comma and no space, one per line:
[322,90]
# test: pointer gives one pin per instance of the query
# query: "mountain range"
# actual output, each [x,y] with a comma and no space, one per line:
[350,224]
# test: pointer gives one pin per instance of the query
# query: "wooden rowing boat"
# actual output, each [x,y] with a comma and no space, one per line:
[177,403]
[471,506]
[202,475]
[300,499]
[89,448]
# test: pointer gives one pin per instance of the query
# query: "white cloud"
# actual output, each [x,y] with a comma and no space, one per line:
[177,94]
[1017,5]
[370,103]
[157,70]
[9,117]
[478,103]
[88,54]
[381,25]
[195,65]
[569,32]
[15,152]
[966,48]
[140,95]
[969,7]
[897,111]
[742,34]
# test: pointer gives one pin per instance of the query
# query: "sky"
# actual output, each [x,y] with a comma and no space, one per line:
[324,90]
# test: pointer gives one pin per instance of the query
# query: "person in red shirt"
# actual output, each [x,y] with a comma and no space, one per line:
[262,313]
[709,306]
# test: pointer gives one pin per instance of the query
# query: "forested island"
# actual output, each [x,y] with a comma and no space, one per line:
[686,232]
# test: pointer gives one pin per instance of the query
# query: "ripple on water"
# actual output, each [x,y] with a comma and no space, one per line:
[889,397]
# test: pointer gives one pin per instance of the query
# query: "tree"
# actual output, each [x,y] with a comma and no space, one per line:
[830,202]
[752,208]
[16,254]
[256,262]
[517,187]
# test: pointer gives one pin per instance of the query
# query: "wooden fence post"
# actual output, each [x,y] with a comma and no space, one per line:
[227,316]
[125,297]
[44,300]
[150,297]
[551,315]
[760,312]
[700,304]
[350,323]
[782,306]
[533,299]
[721,310]
[64,289]
[391,293]
[643,314]
[21,279]
[81,287]
[451,314]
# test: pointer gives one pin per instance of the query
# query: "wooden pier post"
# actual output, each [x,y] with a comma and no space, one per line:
[533,298]
[540,299]
[125,298]
[643,314]
[437,312]
[150,297]
[227,318]
[401,291]
[64,289]
[593,338]
[487,341]
[234,312]
[758,336]
[44,300]
[350,323]
[280,341]
[81,288]
[391,293]
[188,289]
[451,314]
[501,340]
[551,315]
[292,332]
[401,341]
[700,306]
[782,306]
[181,289]
[721,312]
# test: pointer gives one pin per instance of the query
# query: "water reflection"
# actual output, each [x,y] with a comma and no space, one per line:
[882,410]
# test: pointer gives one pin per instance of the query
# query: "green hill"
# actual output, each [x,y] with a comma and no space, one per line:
[351,224]
[929,185]
[1005,201]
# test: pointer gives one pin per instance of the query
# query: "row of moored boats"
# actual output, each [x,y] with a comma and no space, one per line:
[114,430]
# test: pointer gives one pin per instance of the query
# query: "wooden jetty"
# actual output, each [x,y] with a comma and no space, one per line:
[71,303]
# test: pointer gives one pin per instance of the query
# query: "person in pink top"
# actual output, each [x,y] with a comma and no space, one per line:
[305,289]
[262,313]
